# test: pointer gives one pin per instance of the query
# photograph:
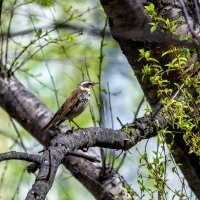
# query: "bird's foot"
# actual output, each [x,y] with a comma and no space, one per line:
[78,127]
[70,131]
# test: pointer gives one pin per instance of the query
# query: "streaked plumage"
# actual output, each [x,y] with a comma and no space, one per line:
[74,105]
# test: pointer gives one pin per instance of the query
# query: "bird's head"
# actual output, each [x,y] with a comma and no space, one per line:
[86,85]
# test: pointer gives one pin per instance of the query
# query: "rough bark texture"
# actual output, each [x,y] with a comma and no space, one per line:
[129,16]
[83,138]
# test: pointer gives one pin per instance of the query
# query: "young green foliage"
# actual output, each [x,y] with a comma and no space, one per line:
[180,101]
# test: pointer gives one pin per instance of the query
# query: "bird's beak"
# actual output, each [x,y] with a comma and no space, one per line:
[95,83]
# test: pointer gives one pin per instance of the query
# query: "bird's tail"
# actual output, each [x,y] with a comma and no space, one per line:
[54,121]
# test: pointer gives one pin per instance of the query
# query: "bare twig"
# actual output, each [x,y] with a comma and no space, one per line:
[95,96]
[19,183]
[119,121]
[110,106]
[19,66]
[18,135]
[81,155]
[101,56]
[8,32]
[46,64]
[121,162]
[138,108]
[1,29]
[13,155]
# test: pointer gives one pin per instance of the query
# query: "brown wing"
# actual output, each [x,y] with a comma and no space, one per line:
[66,108]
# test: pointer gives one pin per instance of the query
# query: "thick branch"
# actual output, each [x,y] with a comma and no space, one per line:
[53,157]
[83,138]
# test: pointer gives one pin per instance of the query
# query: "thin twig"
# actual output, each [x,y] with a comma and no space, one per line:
[119,121]
[112,152]
[2,42]
[8,33]
[92,116]
[3,175]
[46,64]
[113,159]
[31,55]
[19,55]
[13,155]
[101,56]
[103,158]
[18,134]
[122,161]
[110,106]
[81,155]
[95,95]
[138,108]
[19,182]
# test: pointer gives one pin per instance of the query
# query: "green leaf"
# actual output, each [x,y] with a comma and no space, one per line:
[153,59]
[167,52]
[167,22]
[153,29]
[46,3]
[38,33]
[104,90]
[147,54]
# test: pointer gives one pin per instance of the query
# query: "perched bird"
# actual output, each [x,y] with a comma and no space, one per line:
[74,105]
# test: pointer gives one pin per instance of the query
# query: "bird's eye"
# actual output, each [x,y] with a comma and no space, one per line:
[86,85]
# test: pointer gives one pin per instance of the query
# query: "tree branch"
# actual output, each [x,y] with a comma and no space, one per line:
[55,26]
[81,155]
[85,138]
[13,155]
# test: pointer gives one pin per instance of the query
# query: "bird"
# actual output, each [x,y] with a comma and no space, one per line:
[73,106]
